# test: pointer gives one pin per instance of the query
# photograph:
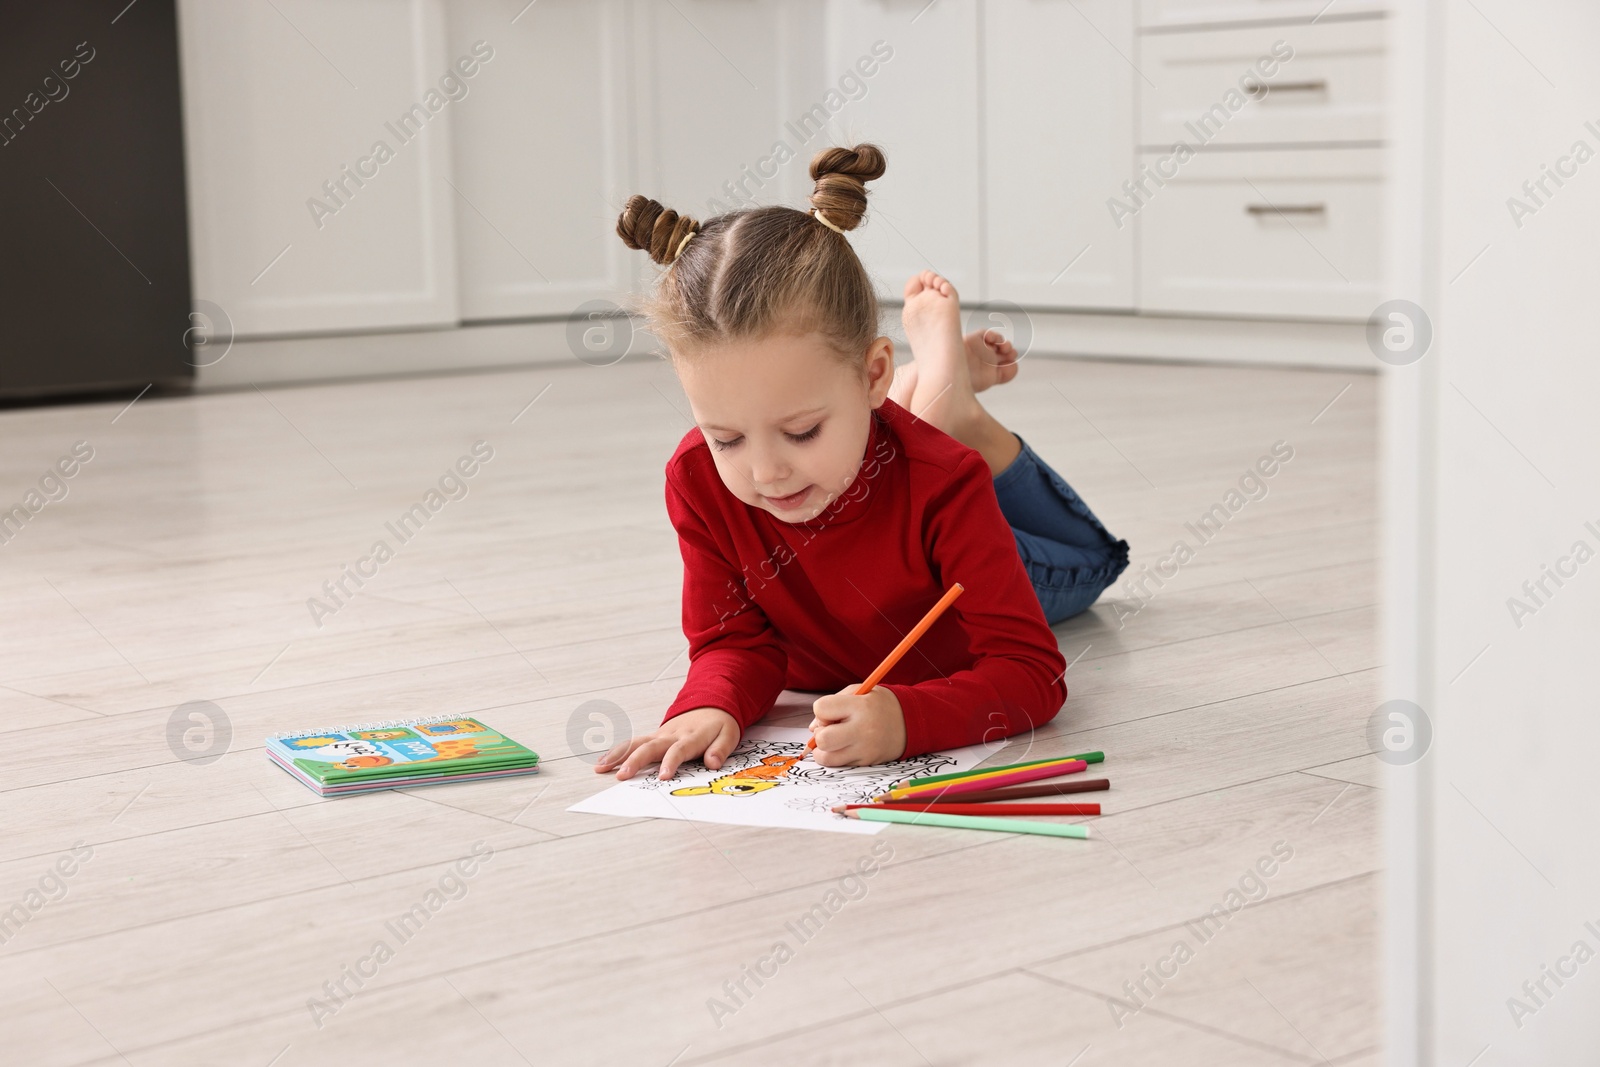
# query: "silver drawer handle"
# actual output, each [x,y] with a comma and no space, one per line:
[1286,209]
[1267,88]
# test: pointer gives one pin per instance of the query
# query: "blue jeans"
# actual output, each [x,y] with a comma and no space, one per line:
[1069,555]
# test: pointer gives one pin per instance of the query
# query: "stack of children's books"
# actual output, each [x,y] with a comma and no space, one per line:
[390,755]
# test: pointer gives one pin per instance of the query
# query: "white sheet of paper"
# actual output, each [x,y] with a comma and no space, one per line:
[769,781]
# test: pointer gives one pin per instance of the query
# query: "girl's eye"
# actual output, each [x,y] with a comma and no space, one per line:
[723,446]
[808,435]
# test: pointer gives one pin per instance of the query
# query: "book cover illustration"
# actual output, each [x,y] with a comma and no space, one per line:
[442,746]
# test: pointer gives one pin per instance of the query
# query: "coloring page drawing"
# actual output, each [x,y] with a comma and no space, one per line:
[769,781]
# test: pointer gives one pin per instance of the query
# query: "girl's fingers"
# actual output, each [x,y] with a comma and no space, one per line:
[830,709]
[832,739]
[683,748]
[719,749]
[832,757]
[646,752]
[619,752]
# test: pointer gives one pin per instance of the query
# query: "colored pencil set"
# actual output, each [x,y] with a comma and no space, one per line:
[971,800]
[975,794]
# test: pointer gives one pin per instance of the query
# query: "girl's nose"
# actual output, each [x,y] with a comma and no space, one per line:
[767,469]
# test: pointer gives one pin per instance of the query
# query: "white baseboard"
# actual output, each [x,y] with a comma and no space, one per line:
[282,360]
[1055,334]
[1336,345]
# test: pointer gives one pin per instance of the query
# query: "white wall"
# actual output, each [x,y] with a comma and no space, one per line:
[1490,462]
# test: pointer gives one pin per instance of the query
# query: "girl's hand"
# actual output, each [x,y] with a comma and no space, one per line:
[703,733]
[854,731]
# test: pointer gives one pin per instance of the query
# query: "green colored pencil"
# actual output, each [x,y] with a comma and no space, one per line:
[1087,757]
[968,822]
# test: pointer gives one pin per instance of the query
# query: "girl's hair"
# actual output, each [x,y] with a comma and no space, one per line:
[749,273]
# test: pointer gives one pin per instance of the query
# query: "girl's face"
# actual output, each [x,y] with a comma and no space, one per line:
[786,420]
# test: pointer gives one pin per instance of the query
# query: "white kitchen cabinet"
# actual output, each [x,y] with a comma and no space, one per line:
[718,85]
[299,222]
[1267,234]
[921,107]
[1326,84]
[1175,13]
[1011,127]
[1058,143]
[543,156]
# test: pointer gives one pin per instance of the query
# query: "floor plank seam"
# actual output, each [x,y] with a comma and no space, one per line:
[1215,791]
[1023,969]
[352,882]
[325,681]
[491,961]
[158,709]
[1211,703]
[1292,894]
[313,802]
[1345,781]
[628,685]
[1281,621]
[1180,1020]
[642,926]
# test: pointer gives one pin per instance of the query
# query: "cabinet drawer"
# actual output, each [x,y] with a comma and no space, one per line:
[1162,13]
[1330,88]
[1286,234]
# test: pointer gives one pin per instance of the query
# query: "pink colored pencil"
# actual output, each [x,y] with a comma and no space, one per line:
[1026,774]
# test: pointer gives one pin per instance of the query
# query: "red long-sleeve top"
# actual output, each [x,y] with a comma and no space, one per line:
[816,605]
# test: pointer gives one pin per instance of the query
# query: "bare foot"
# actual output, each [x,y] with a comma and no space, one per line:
[904,384]
[949,368]
[991,359]
[943,395]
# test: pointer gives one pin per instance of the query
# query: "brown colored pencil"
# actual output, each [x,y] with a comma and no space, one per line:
[1019,792]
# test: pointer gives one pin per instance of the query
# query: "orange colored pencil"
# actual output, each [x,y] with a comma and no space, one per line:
[902,648]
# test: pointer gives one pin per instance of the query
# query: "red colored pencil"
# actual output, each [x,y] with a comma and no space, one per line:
[1001,810]
[903,647]
[1022,792]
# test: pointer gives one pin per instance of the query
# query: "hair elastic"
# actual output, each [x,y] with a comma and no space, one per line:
[820,217]
[681,243]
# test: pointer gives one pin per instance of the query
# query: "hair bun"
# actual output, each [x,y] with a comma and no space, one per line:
[841,175]
[645,224]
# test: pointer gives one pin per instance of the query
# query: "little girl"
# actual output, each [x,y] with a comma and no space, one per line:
[825,500]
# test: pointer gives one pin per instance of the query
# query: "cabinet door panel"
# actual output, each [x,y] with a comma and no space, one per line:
[298,221]
[719,83]
[542,156]
[1271,234]
[1059,90]
[921,106]
[1326,85]
[1164,13]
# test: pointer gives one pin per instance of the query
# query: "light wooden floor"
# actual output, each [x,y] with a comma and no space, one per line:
[220,897]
